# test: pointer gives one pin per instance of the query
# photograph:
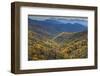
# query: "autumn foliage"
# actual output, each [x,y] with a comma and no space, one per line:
[48,48]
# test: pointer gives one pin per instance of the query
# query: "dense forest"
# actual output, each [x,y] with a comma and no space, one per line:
[61,47]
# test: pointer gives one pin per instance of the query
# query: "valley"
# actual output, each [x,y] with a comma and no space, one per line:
[73,45]
[50,40]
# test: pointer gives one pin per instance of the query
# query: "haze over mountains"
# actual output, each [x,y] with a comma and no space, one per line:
[54,38]
[53,26]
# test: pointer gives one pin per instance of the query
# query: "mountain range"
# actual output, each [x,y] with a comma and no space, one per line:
[55,39]
[54,27]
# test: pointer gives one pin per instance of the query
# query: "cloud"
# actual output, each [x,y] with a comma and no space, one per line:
[66,19]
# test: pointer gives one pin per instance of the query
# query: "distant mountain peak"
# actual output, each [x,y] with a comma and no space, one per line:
[54,27]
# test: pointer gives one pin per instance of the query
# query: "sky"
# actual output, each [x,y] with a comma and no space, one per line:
[65,19]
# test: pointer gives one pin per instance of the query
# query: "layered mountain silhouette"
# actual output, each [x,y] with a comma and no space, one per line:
[54,27]
[54,39]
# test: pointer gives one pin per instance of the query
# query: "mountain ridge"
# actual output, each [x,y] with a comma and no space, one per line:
[54,28]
